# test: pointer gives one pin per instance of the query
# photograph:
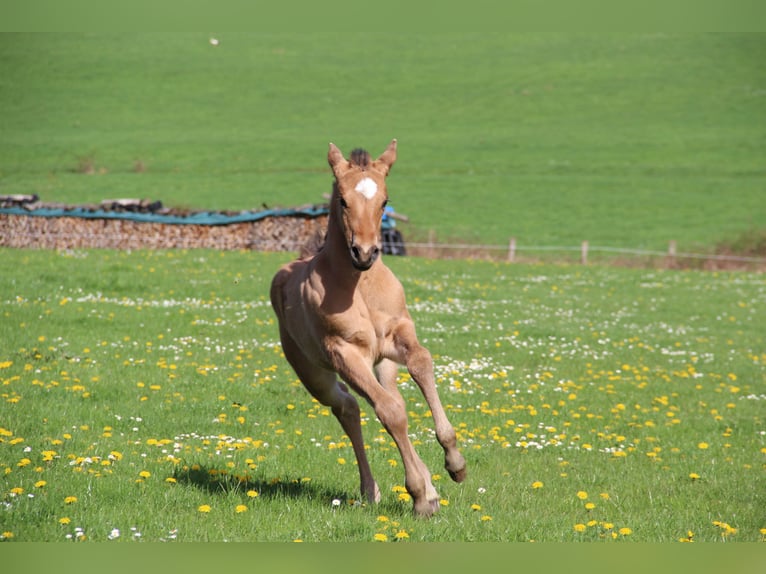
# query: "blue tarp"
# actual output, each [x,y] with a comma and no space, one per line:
[195,218]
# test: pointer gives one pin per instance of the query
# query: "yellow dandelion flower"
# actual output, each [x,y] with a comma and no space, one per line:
[341,460]
[604,496]
[537,484]
[444,502]
[380,537]
[65,520]
[702,445]
[582,495]
[240,508]
[171,480]
[579,527]
[382,518]
[49,455]
[486,518]
[40,483]
[475,507]
[144,474]
[252,493]
[689,537]
[70,500]
[401,534]
[694,476]
[607,525]
[17,491]
[589,506]
[204,508]
[624,531]
[404,497]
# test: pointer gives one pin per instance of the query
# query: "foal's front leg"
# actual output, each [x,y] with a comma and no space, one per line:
[420,366]
[391,410]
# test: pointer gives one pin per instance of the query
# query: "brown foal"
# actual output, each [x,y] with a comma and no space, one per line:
[342,313]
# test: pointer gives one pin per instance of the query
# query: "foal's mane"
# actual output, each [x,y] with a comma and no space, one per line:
[360,157]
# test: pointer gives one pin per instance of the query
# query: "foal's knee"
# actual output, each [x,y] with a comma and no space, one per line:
[393,414]
[419,363]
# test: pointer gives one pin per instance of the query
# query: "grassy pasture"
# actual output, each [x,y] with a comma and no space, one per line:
[144,397]
[627,140]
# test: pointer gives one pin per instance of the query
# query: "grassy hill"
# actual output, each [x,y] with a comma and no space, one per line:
[625,140]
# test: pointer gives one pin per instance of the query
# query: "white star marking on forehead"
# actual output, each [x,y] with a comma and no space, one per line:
[367,188]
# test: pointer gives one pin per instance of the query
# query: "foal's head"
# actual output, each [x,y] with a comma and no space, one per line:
[359,197]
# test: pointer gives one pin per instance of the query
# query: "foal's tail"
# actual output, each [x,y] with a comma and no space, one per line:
[313,245]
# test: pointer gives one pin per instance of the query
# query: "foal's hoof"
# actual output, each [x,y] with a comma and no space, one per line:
[426,508]
[454,463]
[458,475]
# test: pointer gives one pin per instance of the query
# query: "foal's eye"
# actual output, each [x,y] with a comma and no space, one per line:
[343,203]
[385,203]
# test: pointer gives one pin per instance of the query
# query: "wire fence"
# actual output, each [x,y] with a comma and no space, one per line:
[243,237]
[515,252]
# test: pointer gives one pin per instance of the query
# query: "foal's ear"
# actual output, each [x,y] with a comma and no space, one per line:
[336,160]
[387,158]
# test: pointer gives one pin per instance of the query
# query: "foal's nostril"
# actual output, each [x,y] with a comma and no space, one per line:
[355,251]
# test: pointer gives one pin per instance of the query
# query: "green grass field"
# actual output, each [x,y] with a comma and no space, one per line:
[621,140]
[145,397]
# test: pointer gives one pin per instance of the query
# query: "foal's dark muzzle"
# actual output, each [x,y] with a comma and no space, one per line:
[362,259]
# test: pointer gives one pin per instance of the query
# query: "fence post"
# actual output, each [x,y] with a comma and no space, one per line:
[584,253]
[512,250]
[431,241]
[672,253]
